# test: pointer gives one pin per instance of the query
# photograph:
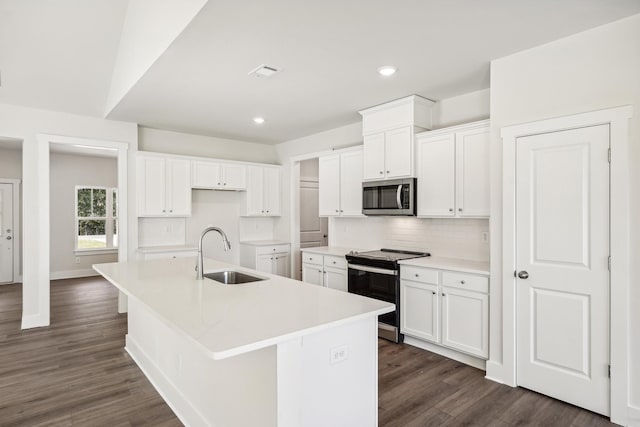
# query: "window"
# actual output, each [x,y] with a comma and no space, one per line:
[96,218]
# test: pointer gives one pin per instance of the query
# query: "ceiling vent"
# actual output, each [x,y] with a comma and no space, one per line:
[263,71]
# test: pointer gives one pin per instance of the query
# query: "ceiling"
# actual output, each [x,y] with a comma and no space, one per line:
[60,55]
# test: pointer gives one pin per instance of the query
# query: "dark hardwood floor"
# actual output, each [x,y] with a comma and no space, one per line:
[76,373]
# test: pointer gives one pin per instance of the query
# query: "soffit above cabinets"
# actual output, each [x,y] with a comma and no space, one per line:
[328,54]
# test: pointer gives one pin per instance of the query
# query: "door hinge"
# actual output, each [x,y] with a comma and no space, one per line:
[609,263]
[609,371]
[609,155]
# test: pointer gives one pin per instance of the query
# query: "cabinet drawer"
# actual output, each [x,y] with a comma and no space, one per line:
[165,255]
[335,262]
[465,281]
[309,258]
[261,250]
[418,274]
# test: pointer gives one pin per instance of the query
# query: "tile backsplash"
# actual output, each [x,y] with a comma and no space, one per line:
[443,237]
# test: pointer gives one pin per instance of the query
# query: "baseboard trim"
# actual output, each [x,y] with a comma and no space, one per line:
[35,321]
[494,372]
[180,406]
[443,351]
[72,274]
[634,413]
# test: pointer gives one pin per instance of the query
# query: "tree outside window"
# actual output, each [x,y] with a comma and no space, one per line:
[96,218]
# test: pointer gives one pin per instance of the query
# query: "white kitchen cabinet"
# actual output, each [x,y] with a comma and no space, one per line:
[218,176]
[163,186]
[263,191]
[453,171]
[388,132]
[166,253]
[266,256]
[329,271]
[448,308]
[340,183]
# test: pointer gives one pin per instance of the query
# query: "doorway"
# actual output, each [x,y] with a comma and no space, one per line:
[313,228]
[562,251]
[10,210]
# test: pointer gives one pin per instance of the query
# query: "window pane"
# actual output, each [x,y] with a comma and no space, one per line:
[115,203]
[99,202]
[84,202]
[91,234]
[115,233]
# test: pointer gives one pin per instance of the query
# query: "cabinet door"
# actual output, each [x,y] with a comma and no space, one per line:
[465,321]
[178,187]
[398,152]
[255,190]
[472,173]
[351,183]
[335,278]
[265,263]
[205,174]
[151,184]
[281,264]
[329,185]
[234,177]
[312,274]
[419,314]
[436,176]
[271,198]
[373,164]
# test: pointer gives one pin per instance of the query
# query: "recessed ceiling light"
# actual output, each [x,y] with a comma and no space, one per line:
[258,120]
[387,70]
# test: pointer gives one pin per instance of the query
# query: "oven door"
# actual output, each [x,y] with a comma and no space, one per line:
[378,283]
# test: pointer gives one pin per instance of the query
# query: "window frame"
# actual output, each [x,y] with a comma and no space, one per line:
[110,219]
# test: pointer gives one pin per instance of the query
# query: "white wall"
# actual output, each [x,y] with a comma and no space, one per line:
[27,124]
[163,141]
[67,171]
[596,69]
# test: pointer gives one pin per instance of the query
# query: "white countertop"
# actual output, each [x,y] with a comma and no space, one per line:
[465,266]
[228,320]
[167,248]
[264,242]
[329,250]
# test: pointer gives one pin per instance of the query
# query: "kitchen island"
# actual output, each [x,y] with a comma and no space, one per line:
[275,352]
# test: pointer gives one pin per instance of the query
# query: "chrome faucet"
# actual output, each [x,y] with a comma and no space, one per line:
[225,242]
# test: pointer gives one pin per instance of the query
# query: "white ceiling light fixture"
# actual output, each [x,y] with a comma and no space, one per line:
[258,120]
[264,71]
[387,70]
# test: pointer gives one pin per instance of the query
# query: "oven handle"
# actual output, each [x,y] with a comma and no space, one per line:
[399,196]
[373,269]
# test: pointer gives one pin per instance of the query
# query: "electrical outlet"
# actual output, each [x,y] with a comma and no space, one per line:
[485,236]
[338,354]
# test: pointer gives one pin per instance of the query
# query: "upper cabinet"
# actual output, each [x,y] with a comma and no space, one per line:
[388,132]
[218,176]
[164,186]
[263,191]
[453,171]
[340,183]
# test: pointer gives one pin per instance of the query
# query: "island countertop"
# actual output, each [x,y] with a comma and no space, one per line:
[228,320]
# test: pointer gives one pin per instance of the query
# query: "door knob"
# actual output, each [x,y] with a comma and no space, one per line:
[8,237]
[523,274]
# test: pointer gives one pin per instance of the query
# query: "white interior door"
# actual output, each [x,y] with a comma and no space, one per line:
[6,233]
[562,233]
[313,229]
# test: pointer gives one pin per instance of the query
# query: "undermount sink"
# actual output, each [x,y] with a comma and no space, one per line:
[230,277]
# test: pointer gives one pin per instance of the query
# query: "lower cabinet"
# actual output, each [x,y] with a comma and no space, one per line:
[324,270]
[447,308]
[269,258]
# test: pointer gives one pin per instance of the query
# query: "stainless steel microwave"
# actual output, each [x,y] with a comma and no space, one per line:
[391,197]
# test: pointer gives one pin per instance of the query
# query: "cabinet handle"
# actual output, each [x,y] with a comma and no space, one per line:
[262,211]
[459,209]
[163,210]
[381,172]
[341,211]
[443,294]
[334,262]
[224,183]
[387,171]
[170,210]
[417,275]
[462,282]
[218,183]
[450,209]
[433,292]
